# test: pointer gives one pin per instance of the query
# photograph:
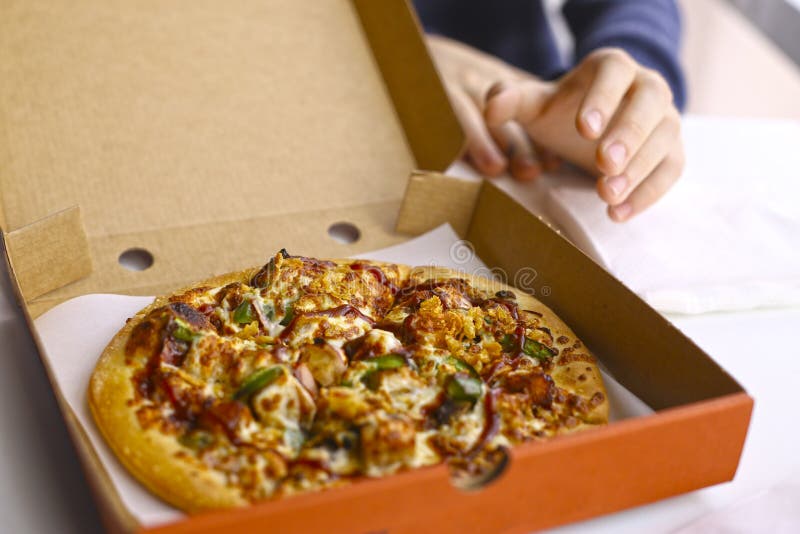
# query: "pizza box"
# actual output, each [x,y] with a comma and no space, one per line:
[199,139]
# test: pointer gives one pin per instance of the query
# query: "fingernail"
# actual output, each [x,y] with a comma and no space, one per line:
[616,153]
[617,184]
[489,159]
[525,168]
[593,120]
[622,211]
[528,162]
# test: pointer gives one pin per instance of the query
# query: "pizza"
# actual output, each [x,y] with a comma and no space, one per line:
[307,374]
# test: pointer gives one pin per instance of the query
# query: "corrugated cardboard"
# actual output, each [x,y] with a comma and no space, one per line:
[49,253]
[179,128]
[213,135]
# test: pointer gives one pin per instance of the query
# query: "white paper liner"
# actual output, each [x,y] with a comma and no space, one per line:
[72,350]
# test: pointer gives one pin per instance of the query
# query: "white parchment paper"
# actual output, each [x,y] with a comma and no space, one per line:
[72,351]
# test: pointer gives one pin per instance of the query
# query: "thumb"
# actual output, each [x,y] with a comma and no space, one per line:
[520,101]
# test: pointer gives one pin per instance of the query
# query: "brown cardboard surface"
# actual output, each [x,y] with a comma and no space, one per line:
[432,131]
[187,253]
[435,199]
[34,251]
[137,114]
[193,120]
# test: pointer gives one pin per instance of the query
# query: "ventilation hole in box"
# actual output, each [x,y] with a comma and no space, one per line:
[344,232]
[136,259]
[482,471]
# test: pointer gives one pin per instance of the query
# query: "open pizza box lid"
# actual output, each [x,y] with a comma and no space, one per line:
[205,135]
[212,136]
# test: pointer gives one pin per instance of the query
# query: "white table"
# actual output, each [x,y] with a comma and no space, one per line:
[769,374]
[42,487]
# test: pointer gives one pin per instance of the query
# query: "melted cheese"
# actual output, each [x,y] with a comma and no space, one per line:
[367,419]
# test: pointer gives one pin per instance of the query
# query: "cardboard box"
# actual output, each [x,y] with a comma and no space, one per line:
[190,128]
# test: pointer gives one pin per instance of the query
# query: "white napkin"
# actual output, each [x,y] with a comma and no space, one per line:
[727,237]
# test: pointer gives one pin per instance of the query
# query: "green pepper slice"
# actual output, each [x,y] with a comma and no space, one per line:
[530,347]
[461,365]
[243,314]
[197,439]
[534,349]
[387,362]
[371,379]
[289,315]
[183,332]
[508,342]
[461,387]
[269,311]
[257,381]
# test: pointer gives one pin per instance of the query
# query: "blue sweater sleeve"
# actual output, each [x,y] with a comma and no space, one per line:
[649,30]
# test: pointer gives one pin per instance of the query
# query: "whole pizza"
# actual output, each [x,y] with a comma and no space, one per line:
[307,374]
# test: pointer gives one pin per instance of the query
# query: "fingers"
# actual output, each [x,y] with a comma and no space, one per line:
[648,102]
[509,140]
[520,101]
[550,162]
[613,73]
[514,142]
[651,189]
[482,151]
[615,189]
[629,109]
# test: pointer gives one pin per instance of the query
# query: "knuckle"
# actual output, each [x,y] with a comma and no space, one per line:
[601,98]
[619,56]
[610,55]
[651,80]
[595,55]
[636,130]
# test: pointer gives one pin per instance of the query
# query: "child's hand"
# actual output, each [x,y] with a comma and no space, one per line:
[609,115]
[468,75]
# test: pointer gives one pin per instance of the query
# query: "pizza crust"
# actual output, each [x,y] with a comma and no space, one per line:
[150,455]
[187,484]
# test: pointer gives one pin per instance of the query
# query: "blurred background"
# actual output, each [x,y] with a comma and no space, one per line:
[741,57]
